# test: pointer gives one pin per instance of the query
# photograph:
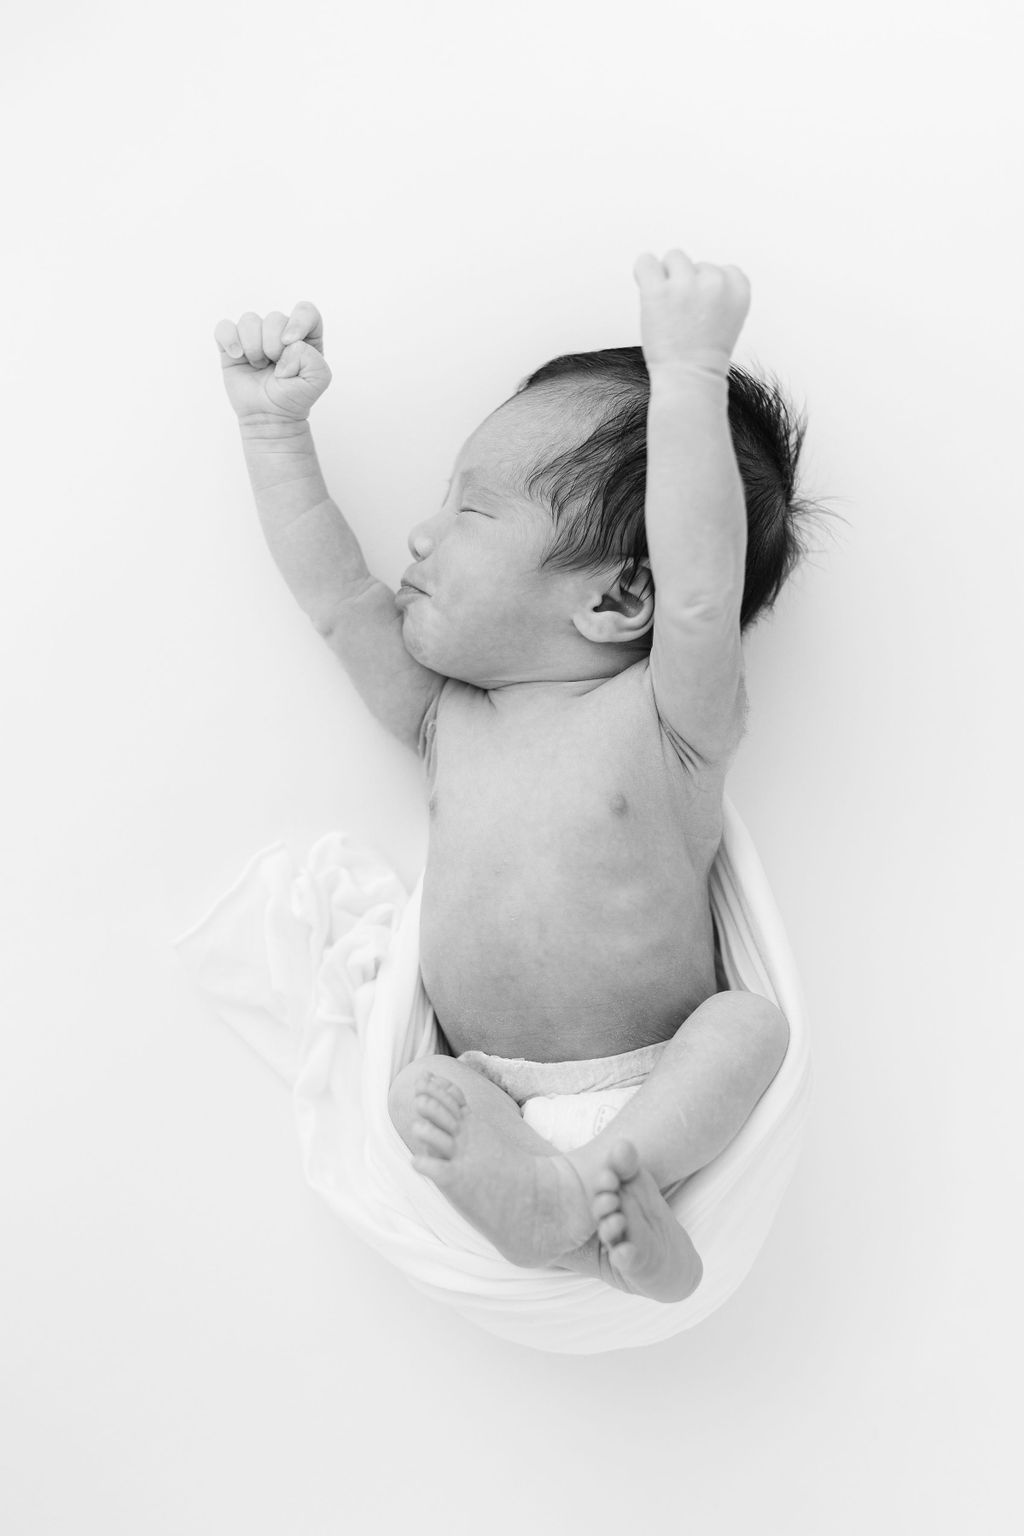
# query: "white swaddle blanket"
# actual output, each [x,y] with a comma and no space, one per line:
[317,967]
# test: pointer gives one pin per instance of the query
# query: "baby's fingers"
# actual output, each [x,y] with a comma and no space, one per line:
[302,358]
[678,265]
[273,325]
[739,280]
[648,271]
[226,336]
[305,324]
[250,334]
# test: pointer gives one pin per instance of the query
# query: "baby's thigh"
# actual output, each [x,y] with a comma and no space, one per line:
[482,1097]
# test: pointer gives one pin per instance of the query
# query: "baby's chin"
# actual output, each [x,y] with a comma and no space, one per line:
[459,662]
[420,649]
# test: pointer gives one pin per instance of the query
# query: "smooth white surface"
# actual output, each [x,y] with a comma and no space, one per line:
[190,1343]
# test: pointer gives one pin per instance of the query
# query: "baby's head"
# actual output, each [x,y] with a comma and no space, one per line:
[536,566]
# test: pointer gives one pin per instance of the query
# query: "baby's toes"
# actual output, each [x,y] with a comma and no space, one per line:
[432,1139]
[607,1181]
[605,1204]
[449,1091]
[612,1229]
[430,1106]
[623,1255]
[624,1159]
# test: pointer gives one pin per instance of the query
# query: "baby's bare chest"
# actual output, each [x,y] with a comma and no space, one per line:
[513,791]
[583,784]
[567,870]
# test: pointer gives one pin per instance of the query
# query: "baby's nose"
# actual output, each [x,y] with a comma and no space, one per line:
[420,542]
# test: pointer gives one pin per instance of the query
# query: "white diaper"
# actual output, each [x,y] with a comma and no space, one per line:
[568,1102]
[568,1120]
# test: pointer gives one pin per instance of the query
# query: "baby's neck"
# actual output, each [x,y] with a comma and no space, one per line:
[568,678]
[539,693]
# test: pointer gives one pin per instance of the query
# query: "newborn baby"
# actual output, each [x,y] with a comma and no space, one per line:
[565,654]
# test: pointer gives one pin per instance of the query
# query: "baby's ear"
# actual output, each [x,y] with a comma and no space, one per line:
[635,585]
[618,605]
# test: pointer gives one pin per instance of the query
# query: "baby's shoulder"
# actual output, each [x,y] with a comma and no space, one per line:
[451,704]
[629,697]
[623,711]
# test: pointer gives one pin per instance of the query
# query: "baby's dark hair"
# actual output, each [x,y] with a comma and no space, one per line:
[596,489]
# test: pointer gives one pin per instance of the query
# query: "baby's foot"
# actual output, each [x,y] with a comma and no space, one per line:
[649,1252]
[531,1206]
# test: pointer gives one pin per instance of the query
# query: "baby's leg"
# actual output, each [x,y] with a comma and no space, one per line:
[470,1139]
[539,1206]
[711,1075]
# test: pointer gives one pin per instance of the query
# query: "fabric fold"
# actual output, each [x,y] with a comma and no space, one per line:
[315,963]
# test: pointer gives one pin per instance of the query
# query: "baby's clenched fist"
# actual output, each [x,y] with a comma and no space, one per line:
[274,367]
[689,312]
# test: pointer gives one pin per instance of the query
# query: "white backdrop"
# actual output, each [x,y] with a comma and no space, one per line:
[190,1342]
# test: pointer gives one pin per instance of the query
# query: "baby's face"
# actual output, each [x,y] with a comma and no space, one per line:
[485,612]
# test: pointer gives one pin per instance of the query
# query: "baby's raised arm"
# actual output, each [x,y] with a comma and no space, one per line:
[695,511]
[274,371]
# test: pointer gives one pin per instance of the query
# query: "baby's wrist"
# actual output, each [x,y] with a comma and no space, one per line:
[696,362]
[271,427]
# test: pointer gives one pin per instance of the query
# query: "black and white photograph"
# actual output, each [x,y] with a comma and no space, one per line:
[510,802]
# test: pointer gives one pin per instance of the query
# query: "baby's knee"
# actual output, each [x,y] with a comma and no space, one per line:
[770,1030]
[754,1021]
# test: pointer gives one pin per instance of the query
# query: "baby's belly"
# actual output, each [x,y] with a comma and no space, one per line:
[566,957]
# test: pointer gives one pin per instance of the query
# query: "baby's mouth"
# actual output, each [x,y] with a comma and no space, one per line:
[406,592]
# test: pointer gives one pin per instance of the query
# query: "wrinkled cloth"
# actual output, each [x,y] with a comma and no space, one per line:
[315,963]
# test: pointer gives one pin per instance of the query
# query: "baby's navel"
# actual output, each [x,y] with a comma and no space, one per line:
[618,804]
